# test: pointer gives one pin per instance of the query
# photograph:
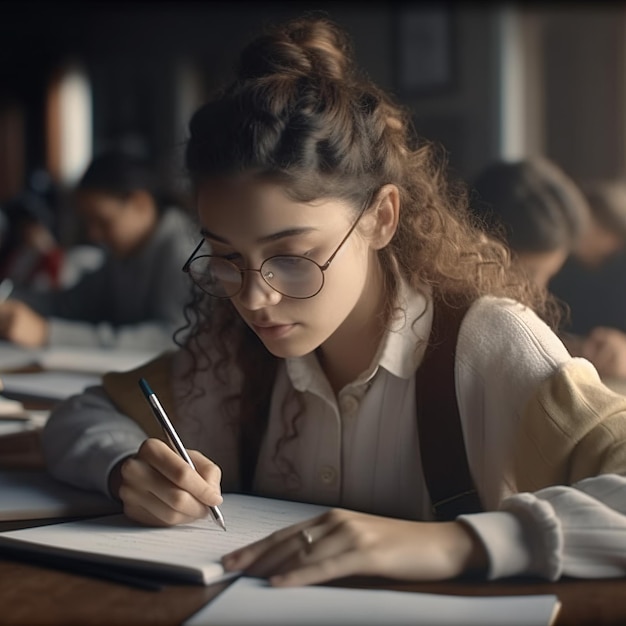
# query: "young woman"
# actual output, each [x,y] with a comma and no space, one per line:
[329,236]
[135,299]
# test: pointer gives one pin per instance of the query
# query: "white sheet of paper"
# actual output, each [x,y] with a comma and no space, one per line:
[34,494]
[73,358]
[13,426]
[190,551]
[13,356]
[28,420]
[92,360]
[11,408]
[250,601]
[48,385]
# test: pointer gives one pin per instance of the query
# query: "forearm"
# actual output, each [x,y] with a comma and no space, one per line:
[466,551]
[86,437]
[575,531]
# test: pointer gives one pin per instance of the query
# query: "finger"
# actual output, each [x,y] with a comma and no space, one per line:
[293,549]
[160,456]
[147,509]
[243,558]
[210,472]
[330,542]
[142,484]
[340,566]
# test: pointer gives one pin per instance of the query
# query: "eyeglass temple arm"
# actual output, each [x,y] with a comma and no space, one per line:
[193,254]
[360,215]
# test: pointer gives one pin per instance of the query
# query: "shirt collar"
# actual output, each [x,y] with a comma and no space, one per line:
[403,345]
[400,352]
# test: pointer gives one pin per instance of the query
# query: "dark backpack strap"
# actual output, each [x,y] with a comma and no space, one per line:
[444,459]
[250,439]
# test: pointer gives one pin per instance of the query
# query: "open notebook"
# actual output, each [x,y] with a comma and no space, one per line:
[189,552]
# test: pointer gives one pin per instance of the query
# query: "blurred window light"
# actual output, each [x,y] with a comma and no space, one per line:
[189,93]
[512,81]
[70,123]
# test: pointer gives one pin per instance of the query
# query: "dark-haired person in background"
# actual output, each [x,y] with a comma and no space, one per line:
[30,255]
[537,210]
[592,282]
[135,299]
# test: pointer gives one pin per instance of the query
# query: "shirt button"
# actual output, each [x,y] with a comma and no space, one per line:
[349,404]
[328,475]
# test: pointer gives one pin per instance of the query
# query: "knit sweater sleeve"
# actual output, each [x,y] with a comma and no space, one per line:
[561,508]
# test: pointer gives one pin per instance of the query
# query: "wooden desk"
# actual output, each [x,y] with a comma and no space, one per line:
[32,595]
[21,450]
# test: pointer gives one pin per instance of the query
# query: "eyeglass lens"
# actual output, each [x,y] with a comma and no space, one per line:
[293,276]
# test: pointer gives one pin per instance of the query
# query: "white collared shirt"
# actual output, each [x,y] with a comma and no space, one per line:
[360,449]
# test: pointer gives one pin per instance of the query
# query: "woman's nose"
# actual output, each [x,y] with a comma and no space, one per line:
[256,293]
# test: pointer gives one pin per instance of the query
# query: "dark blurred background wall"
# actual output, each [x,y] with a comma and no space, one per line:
[487,80]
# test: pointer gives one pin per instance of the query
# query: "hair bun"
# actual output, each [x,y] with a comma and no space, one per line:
[302,47]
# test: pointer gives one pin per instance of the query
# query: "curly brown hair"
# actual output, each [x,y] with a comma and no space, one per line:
[299,113]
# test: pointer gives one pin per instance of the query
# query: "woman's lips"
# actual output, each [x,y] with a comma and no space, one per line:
[273,331]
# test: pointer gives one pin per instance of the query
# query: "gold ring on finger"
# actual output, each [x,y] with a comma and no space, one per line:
[307,538]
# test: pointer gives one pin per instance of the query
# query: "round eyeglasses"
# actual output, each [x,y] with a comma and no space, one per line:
[290,275]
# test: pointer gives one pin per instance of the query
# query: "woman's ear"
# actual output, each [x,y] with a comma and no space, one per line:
[384,216]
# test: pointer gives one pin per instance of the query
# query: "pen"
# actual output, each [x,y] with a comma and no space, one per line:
[6,288]
[172,435]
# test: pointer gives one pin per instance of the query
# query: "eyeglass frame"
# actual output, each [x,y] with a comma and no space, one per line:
[241,270]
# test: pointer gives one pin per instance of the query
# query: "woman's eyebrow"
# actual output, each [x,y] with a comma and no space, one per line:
[283,234]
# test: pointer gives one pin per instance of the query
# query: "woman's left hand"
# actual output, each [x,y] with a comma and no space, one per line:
[343,543]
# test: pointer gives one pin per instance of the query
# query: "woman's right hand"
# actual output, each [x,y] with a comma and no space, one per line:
[158,488]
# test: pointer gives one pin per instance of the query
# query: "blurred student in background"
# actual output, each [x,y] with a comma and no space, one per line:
[536,209]
[135,299]
[593,282]
[30,255]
